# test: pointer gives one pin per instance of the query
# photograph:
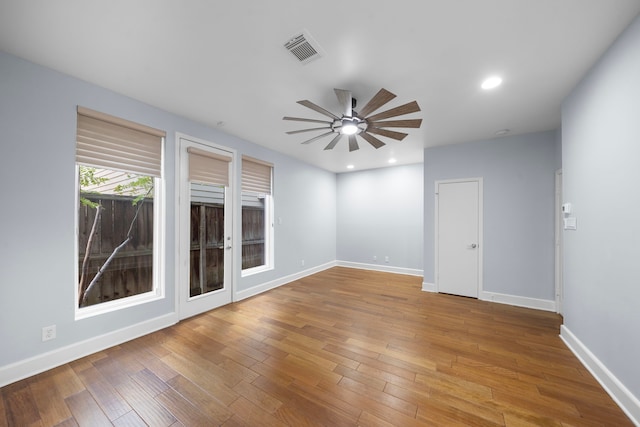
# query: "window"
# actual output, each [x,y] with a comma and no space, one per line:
[257,216]
[119,169]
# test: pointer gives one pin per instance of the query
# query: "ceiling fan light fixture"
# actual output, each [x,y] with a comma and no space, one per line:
[491,82]
[349,127]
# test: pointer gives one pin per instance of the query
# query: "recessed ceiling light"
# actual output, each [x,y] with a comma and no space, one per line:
[491,83]
[350,166]
[503,132]
[392,160]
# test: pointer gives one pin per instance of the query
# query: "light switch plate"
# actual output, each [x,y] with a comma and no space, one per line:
[570,223]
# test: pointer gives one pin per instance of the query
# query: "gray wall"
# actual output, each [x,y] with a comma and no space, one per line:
[380,214]
[601,171]
[519,180]
[305,202]
[37,182]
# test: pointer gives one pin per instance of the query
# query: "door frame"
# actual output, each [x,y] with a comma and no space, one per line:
[479,180]
[559,243]
[182,261]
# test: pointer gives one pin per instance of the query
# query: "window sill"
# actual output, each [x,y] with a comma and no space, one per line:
[255,270]
[120,304]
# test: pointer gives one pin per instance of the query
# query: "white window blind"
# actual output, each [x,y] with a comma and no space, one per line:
[110,142]
[256,175]
[207,167]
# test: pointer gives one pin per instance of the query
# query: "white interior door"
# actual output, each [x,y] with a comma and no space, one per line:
[458,237]
[205,226]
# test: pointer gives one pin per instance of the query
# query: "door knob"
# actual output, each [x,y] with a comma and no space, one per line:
[473,246]
[228,246]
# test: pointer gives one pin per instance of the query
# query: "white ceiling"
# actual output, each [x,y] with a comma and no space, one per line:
[223,62]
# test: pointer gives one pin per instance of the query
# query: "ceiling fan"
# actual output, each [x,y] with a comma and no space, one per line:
[352,122]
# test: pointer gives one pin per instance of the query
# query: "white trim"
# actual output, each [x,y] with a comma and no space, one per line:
[480,235]
[186,306]
[518,301]
[159,257]
[120,303]
[269,233]
[267,286]
[43,362]
[378,267]
[480,182]
[255,270]
[429,287]
[176,215]
[629,404]
[558,242]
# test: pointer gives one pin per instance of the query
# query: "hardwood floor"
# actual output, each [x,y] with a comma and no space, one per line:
[343,347]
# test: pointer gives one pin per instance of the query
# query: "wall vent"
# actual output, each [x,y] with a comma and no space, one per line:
[304,47]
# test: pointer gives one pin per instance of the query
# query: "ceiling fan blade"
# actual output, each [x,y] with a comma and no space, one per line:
[317,108]
[345,100]
[372,140]
[299,119]
[379,99]
[414,123]
[410,107]
[333,142]
[293,132]
[388,133]
[308,141]
[353,144]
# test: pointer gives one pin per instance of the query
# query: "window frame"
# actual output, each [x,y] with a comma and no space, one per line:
[268,241]
[159,228]
[269,233]
[158,290]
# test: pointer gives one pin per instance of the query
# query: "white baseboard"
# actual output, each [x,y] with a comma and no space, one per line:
[535,303]
[378,267]
[43,362]
[248,293]
[52,359]
[429,287]
[612,385]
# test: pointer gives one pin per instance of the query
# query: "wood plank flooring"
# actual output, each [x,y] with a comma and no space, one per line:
[343,347]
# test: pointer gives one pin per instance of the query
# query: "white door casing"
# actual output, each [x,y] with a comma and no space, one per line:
[559,242]
[458,216]
[187,305]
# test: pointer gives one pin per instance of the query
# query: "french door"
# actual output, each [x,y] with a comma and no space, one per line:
[205,217]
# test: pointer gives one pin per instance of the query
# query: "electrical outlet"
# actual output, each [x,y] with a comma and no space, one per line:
[48,333]
[386,259]
[302,263]
[375,258]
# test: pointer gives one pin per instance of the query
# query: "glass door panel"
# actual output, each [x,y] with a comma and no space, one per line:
[205,227]
[207,239]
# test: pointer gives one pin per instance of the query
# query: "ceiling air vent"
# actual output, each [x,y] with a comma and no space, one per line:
[304,47]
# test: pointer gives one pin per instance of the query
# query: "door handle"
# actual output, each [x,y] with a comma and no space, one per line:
[472,246]
[228,246]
